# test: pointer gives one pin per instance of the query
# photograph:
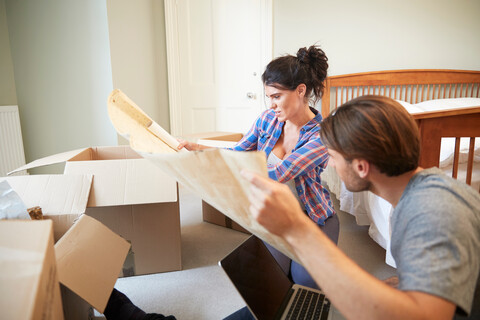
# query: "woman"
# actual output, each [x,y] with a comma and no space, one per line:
[288,132]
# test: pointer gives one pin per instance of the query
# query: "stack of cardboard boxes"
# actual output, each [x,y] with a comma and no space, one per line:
[111,213]
[86,261]
[117,187]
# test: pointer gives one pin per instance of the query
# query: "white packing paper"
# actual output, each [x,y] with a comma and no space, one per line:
[11,205]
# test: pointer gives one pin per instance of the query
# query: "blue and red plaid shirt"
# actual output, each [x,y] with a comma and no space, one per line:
[305,164]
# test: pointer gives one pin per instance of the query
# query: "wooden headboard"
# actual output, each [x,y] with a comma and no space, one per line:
[415,86]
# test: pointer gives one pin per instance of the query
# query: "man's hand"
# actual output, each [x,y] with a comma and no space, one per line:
[272,204]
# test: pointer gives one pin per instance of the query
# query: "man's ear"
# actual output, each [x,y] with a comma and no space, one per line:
[361,167]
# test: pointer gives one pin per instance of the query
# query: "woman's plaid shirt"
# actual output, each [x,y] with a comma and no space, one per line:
[305,164]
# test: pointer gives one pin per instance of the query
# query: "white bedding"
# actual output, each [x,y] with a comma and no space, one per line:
[372,210]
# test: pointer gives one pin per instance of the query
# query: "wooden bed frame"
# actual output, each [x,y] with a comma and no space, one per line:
[415,86]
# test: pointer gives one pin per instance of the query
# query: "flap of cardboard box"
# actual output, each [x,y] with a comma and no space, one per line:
[123,177]
[53,159]
[56,194]
[89,259]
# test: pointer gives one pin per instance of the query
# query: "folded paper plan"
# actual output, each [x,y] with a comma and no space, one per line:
[213,174]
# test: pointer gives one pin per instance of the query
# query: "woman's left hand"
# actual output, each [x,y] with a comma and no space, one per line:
[190,146]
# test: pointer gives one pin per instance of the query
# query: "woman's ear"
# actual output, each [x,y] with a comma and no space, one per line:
[301,89]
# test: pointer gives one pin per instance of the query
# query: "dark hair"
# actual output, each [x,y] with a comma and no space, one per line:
[308,67]
[377,129]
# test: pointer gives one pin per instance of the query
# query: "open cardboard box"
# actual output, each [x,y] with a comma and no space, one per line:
[63,198]
[218,140]
[86,260]
[129,194]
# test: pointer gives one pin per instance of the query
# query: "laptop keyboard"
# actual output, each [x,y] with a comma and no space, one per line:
[309,305]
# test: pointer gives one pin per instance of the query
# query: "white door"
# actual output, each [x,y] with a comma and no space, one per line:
[215,63]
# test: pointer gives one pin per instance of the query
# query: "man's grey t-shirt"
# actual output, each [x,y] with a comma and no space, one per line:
[436,238]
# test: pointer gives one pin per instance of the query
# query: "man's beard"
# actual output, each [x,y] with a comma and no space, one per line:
[354,183]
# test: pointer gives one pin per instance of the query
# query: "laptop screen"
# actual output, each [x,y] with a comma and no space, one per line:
[257,277]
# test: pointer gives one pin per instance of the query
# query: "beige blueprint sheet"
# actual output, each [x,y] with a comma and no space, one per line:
[213,174]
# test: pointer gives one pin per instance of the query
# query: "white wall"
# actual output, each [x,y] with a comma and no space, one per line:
[63,69]
[61,59]
[7,80]
[138,54]
[373,35]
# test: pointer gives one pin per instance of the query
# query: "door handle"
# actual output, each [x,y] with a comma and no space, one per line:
[251,95]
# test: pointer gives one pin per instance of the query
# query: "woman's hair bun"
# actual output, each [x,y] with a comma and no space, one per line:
[311,55]
[303,55]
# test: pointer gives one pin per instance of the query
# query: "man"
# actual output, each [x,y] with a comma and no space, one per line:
[374,145]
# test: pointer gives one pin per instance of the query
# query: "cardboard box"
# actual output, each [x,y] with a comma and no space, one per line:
[86,262]
[63,198]
[212,215]
[29,287]
[217,135]
[132,197]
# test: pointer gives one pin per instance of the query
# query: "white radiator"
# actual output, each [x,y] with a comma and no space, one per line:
[12,154]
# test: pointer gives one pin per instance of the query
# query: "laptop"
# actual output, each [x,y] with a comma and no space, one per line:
[267,290]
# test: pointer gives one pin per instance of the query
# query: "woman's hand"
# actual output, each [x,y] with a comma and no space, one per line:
[190,146]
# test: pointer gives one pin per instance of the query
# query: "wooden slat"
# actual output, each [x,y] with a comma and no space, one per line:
[456,157]
[471,151]
[336,98]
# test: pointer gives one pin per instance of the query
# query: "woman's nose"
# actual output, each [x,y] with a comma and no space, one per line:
[269,104]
